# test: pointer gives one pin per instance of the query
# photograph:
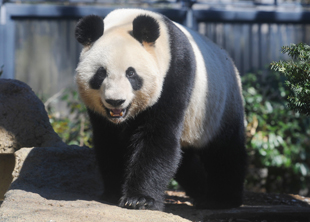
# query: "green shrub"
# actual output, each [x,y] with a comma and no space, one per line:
[278,139]
[74,129]
[297,72]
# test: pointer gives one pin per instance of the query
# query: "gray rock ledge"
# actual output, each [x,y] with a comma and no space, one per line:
[63,184]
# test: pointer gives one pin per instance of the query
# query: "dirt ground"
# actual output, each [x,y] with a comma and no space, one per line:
[179,204]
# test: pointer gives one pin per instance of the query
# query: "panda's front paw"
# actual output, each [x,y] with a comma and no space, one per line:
[138,202]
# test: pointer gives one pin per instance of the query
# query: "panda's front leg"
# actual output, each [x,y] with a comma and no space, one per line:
[153,162]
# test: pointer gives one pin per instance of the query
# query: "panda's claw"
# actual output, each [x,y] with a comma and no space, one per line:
[137,202]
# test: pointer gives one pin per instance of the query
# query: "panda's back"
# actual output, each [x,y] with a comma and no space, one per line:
[216,93]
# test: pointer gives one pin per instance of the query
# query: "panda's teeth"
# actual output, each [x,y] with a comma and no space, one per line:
[116,114]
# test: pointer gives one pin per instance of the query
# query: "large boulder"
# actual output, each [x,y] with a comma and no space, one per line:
[23,119]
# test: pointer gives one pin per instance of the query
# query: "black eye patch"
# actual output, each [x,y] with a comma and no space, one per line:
[135,80]
[97,79]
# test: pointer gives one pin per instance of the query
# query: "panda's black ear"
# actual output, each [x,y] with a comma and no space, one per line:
[145,29]
[89,29]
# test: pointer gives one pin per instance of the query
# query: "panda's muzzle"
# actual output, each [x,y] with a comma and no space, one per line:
[115,112]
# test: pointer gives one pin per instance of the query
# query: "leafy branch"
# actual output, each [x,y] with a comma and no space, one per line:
[297,72]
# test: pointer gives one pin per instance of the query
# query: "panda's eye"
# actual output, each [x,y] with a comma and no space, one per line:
[101,72]
[130,72]
[96,81]
[133,77]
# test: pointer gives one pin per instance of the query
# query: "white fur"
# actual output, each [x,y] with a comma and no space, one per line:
[116,51]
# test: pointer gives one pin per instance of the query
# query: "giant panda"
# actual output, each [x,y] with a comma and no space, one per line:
[163,102]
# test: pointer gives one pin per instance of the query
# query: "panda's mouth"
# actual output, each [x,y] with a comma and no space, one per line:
[116,113]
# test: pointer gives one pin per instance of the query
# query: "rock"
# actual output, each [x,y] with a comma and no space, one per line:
[64,184]
[24,121]
[56,171]
[25,206]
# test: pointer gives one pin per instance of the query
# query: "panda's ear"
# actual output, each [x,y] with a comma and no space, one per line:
[145,29]
[89,29]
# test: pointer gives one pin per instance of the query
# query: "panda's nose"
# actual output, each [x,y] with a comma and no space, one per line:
[115,103]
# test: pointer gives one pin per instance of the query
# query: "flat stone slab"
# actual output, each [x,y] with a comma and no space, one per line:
[21,205]
[64,184]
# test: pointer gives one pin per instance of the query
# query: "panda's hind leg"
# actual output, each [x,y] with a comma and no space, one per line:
[225,161]
[214,175]
[191,174]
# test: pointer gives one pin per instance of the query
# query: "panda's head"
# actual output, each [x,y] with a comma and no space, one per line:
[122,64]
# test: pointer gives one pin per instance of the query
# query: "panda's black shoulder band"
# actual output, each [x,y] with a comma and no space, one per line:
[89,29]
[145,29]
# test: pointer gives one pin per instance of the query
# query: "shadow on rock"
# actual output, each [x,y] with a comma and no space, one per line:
[59,173]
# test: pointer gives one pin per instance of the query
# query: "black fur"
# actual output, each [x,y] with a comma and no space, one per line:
[214,175]
[89,29]
[111,151]
[135,80]
[145,28]
[96,81]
